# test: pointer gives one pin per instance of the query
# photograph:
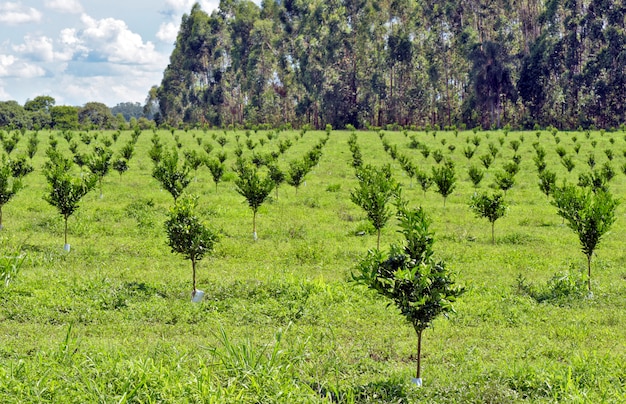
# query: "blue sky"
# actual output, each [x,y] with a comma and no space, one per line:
[78,51]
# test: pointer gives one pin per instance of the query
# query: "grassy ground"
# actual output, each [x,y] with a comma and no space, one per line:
[111,321]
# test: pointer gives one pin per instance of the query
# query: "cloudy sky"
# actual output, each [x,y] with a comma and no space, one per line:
[77,51]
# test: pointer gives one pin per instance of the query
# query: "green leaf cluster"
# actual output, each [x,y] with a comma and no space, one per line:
[173,178]
[373,193]
[253,187]
[186,234]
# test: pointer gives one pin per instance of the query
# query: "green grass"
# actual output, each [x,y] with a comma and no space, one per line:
[112,320]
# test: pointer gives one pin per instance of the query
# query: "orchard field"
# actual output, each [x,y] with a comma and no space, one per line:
[111,321]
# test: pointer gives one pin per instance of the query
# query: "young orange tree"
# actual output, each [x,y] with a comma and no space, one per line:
[420,286]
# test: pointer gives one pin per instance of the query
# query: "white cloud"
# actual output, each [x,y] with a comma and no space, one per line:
[37,48]
[4,95]
[112,39]
[109,90]
[10,66]
[65,6]
[15,13]
[184,6]
[168,32]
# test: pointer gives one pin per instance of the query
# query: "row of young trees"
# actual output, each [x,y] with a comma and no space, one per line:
[367,62]
[421,287]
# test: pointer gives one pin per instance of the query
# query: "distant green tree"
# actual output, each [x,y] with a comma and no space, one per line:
[277,175]
[193,159]
[373,194]
[491,207]
[298,169]
[547,182]
[96,115]
[40,103]
[255,189]
[64,191]
[444,177]
[99,163]
[217,170]
[33,142]
[475,175]
[120,165]
[173,178]
[64,117]
[504,181]
[20,167]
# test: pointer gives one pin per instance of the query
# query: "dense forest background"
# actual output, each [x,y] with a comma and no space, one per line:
[407,62]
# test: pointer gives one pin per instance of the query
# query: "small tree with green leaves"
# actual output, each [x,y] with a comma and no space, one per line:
[187,235]
[475,174]
[193,159]
[491,207]
[277,175]
[217,170]
[504,181]
[128,150]
[65,191]
[254,188]
[298,169]
[99,163]
[20,167]
[420,287]
[375,190]
[424,180]
[444,177]
[33,142]
[589,214]
[547,182]
[120,165]
[9,185]
[173,178]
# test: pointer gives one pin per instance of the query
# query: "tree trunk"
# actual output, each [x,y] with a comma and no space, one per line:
[65,218]
[589,272]
[1,218]
[193,274]
[254,224]
[378,240]
[418,375]
[493,237]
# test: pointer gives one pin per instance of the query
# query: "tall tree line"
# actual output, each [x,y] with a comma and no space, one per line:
[406,62]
